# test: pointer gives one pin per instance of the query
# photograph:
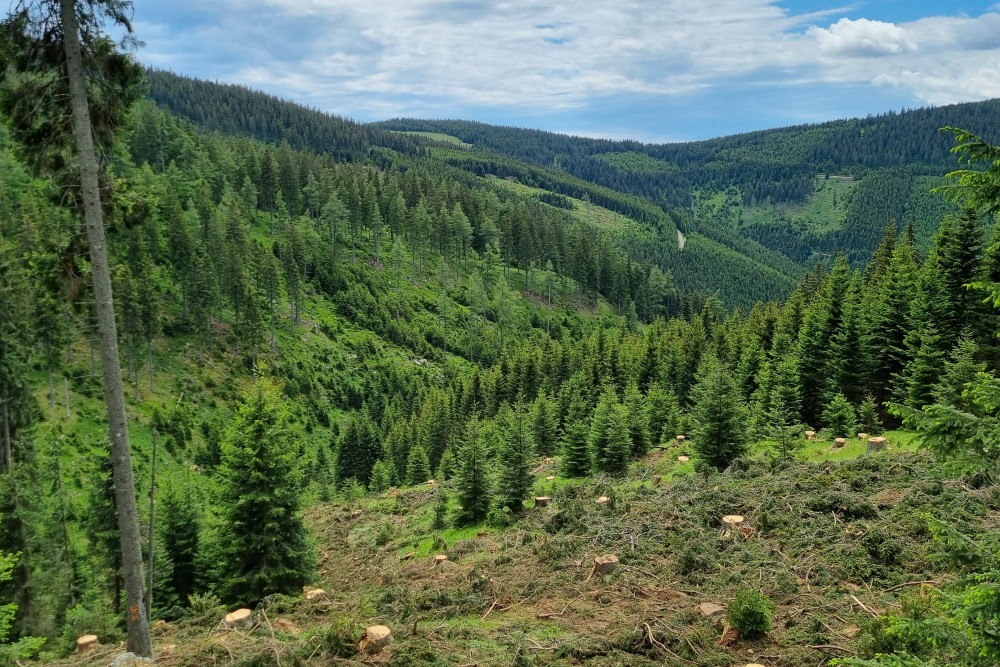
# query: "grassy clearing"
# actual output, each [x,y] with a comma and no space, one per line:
[436,136]
[824,211]
[828,539]
[584,211]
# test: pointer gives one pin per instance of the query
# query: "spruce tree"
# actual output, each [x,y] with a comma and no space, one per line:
[472,481]
[868,417]
[718,417]
[381,477]
[637,419]
[544,425]
[577,459]
[418,467]
[516,453]
[601,426]
[839,417]
[960,370]
[178,522]
[619,443]
[263,544]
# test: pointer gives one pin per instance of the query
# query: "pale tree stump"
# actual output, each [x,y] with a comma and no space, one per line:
[839,442]
[241,618]
[877,444]
[605,564]
[311,593]
[439,559]
[683,459]
[810,435]
[542,501]
[732,521]
[550,478]
[375,638]
[85,643]
[680,439]
[356,514]
[862,436]
[431,482]
[603,500]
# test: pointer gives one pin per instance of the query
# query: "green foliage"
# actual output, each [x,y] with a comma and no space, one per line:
[472,482]
[839,417]
[24,647]
[750,613]
[381,477]
[868,416]
[718,416]
[516,454]
[418,467]
[262,544]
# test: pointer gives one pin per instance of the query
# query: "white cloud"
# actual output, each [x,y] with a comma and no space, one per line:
[861,38]
[413,57]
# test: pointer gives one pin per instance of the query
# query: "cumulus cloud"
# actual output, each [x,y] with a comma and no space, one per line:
[426,57]
[861,37]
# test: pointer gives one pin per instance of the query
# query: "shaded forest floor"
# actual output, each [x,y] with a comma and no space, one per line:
[835,544]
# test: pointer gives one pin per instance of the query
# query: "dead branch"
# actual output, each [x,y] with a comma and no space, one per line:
[830,647]
[913,583]
[868,609]
[662,647]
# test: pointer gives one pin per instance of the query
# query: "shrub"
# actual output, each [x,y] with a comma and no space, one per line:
[750,613]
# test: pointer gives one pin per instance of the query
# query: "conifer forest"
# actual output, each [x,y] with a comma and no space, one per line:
[439,392]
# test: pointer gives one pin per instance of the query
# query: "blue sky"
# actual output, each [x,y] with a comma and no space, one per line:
[653,70]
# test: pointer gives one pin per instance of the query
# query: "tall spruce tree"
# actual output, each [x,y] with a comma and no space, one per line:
[718,417]
[472,481]
[263,544]
[516,454]
[47,43]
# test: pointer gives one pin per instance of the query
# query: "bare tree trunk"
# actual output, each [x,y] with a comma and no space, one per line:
[139,640]
[66,392]
[5,415]
[149,350]
[152,519]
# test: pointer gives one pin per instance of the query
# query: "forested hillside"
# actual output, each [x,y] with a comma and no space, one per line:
[768,175]
[716,261]
[355,360]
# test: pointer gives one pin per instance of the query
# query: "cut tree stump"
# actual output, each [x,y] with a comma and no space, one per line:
[85,643]
[431,482]
[839,442]
[440,558]
[732,521]
[605,564]
[603,500]
[356,514]
[729,635]
[550,478]
[241,618]
[286,626]
[542,501]
[680,438]
[810,435]
[877,444]
[683,459]
[862,436]
[311,593]
[374,639]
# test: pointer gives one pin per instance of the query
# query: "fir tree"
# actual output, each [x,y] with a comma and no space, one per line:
[839,417]
[381,477]
[472,481]
[637,420]
[178,523]
[577,459]
[263,543]
[718,418]
[961,369]
[516,454]
[619,443]
[601,426]
[418,467]
[544,425]
[868,417]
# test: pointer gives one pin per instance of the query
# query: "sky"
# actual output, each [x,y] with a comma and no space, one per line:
[651,70]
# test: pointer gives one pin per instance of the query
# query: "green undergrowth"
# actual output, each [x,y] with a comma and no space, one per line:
[833,545]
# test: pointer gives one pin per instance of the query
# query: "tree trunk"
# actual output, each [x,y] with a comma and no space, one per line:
[139,640]
[5,417]
[149,349]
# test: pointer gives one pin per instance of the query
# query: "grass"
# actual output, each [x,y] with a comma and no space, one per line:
[436,136]
[584,211]
[824,211]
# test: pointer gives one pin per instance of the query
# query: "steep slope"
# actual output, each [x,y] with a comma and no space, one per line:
[737,269]
[768,173]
